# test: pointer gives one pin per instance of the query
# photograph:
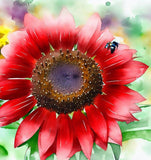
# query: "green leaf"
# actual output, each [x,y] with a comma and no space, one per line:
[74,157]
[99,154]
[138,129]
[137,85]
[144,134]
[3,151]
[14,125]
[29,79]
[33,142]
[75,47]
[27,154]
[116,150]
[145,106]
[51,157]
[31,156]
[2,102]
[32,151]
[82,156]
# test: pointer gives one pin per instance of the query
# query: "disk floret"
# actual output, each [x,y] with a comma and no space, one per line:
[66,81]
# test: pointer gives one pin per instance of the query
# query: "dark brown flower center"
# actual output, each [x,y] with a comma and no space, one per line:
[66,81]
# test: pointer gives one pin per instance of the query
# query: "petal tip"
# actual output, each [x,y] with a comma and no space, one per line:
[28,19]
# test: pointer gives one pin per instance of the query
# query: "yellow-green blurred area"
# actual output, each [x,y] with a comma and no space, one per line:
[130,22]
[3,36]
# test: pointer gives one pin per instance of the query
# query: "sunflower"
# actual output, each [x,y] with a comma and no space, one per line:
[75,76]
[3,36]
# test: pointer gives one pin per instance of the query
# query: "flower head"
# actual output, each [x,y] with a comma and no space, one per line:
[67,82]
[3,36]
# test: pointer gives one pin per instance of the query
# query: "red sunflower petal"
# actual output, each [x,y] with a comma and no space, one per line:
[64,137]
[21,61]
[114,131]
[98,48]
[100,143]
[13,110]
[14,70]
[52,31]
[89,33]
[29,126]
[83,133]
[37,31]
[14,88]
[128,117]
[75,148]
[22,46]
[97,123]
[49,152]
[66,28]
[119,57]
[119,106]
[111,106]
[11,51]
[107,60]
[125,73]
[47,133]
[124,93]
